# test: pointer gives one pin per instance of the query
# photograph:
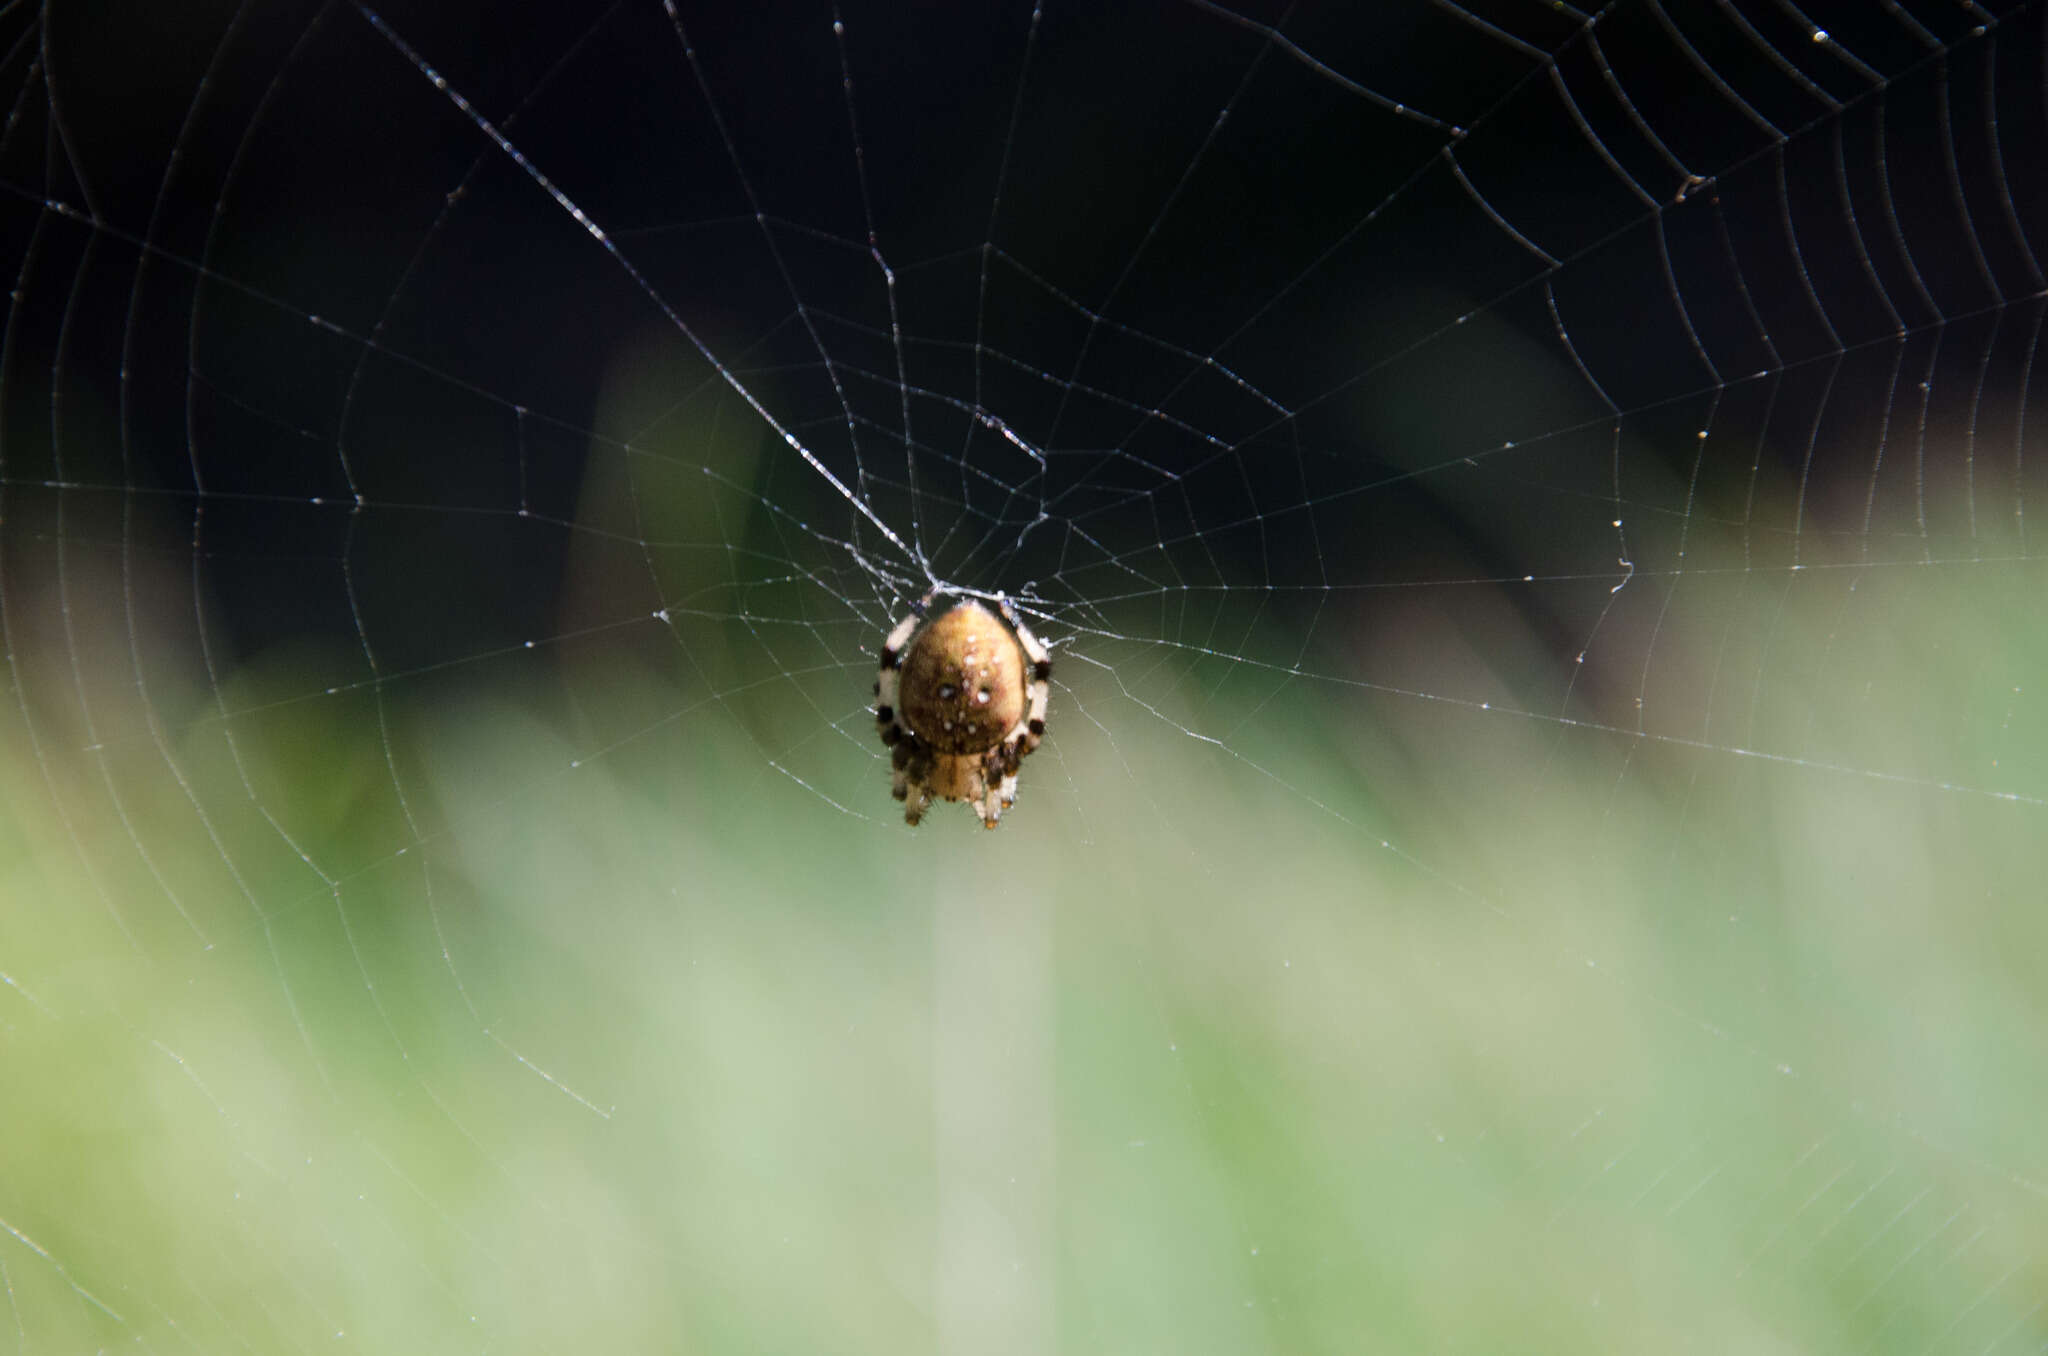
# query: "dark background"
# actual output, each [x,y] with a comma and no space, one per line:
[313,278]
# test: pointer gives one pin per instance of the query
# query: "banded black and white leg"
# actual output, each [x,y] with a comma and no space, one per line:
[1040,688]
[902,743]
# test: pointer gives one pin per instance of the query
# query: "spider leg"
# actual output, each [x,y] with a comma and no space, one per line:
[892,648]
[1039,686]
[1034,716]
[997,784]
[887,684]
[1034,649]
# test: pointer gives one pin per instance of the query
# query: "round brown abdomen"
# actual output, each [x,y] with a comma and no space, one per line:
[962,687]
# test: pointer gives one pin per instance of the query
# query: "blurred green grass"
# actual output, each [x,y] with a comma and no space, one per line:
[1459,1031]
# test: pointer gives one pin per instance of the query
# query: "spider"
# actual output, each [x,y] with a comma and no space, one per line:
[960,701]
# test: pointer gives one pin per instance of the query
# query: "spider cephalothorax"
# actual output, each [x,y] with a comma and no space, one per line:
[960,701]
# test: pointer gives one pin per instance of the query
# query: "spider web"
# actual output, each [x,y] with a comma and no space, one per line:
[1546,775]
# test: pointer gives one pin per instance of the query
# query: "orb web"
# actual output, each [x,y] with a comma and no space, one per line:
[1529,504]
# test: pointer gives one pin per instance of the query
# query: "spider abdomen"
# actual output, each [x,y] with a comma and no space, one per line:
[962,688]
